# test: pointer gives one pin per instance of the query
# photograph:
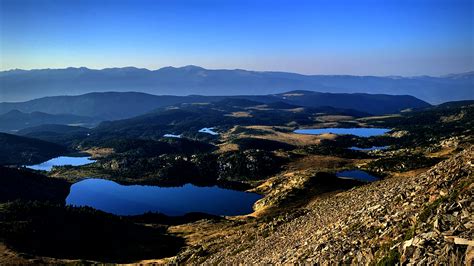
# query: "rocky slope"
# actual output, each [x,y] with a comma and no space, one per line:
[425,218]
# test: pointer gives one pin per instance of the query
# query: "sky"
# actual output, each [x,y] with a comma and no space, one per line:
[359,37]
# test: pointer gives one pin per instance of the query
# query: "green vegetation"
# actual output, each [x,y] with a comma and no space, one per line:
[68,136]
[138,153]
[202,168]
[392,258]
[16,120]
[23,184]
[401,163]
[249,131]
[261,144]
[68,232]
[430,125]
[430,208]
[18,150]
[187,119]
[248,165]
[147,147]
[334,148]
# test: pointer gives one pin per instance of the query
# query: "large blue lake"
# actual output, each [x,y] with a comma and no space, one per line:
[119,199]
[359,131]
[62,160]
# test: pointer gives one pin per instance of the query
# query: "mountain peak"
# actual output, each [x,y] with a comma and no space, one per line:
[76,68]
[191,67]
[184,68]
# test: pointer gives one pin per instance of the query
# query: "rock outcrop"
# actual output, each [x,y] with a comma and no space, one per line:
[427,219]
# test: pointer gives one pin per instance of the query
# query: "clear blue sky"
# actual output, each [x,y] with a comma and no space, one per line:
[361,37]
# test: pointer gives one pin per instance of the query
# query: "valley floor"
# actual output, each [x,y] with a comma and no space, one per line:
[420,212]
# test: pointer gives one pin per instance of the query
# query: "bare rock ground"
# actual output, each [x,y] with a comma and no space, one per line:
[421,219]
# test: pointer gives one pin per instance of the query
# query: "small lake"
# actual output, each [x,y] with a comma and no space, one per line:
[373,148]
[359,131]
[357,175]
[208,130]
[119,199]
[171,136]
[60,161]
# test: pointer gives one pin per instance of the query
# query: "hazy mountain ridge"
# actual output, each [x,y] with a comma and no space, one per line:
[119,105]
[15,120]
[21,85]
[53,128]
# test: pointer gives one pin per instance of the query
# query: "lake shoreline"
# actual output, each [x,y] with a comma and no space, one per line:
[117,199]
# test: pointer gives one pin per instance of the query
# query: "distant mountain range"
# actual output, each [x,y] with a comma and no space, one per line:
[22,85]
[119,105]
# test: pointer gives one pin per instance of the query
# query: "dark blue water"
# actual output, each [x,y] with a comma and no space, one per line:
[369,149]
[357,175]
[360,132]
[62,160]
[118,199]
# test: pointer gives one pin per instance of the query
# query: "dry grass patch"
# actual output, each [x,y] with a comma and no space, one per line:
[99,152]
[444,152]
[267,128]
[239,114]
[378,117]
[334,118]
[285,137]
[227,147]
[262,107]
[321,163]
[295,110]
[11,257]
[410,173]
[322,125]
[291,138]
[205,231]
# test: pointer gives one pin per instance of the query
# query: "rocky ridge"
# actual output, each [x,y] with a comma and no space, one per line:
[426,218]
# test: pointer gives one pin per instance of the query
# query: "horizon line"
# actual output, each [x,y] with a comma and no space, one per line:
[231,69]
